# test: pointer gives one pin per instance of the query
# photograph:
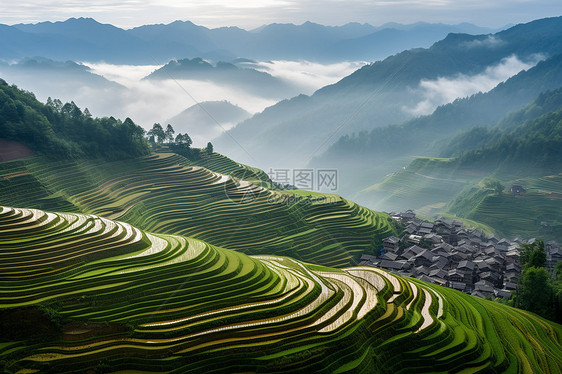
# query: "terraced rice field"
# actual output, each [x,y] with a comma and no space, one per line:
[423,183]
[534,214]
[213,199]
[80,292]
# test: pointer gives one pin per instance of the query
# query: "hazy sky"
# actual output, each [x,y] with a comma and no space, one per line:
[253,13]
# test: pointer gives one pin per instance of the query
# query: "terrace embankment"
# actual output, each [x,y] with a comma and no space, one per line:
[168,303]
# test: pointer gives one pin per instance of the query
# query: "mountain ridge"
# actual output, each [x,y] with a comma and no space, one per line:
[83,39]
[522,149]
[376,94]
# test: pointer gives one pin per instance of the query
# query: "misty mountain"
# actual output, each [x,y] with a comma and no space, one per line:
[423,134]
[55,78]
[369,156]
[481,137]
[523,148]
[85,39]
[386,92]
[57,73]
[207,119]
[392,38]
[225,73]
[82,39]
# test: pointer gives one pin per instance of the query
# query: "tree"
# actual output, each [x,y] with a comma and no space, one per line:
[558,293]
[209,148]
[558,271]
[181,145]
[157,132]
[184,140]
[535,293]
[533,254]
[170,133]
[55,104]
[495,185]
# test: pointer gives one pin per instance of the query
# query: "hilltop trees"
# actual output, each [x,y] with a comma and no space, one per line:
[170,133]
[180,144]
[156,134]
[63,131]
[183,139]
[495,185]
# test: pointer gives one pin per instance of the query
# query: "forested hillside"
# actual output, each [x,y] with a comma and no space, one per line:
[385,94]
[523,149]
[60,130]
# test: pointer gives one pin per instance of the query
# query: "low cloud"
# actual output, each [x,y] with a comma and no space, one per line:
[445,90]
[490,42]
[124,93]
[308,76]
[150,101]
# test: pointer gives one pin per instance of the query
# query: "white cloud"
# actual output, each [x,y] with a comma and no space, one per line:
[445,90]
[490,42]
[308,76]
[148,101]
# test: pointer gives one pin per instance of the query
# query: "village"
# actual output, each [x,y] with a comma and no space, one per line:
[446,253]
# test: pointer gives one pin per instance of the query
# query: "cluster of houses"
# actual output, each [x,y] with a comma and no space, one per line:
[446,253]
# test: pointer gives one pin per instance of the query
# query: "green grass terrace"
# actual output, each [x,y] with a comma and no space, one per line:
[213,199]
[83,293]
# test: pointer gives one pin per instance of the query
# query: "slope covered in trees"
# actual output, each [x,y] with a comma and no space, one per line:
[523,149]
[60,130]
[426,134]
[386,92]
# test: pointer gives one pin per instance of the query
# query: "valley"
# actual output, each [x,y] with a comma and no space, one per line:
[290,198]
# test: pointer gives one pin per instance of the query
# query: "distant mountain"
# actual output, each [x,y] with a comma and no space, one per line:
[208,120]
[82,39]
[57,74]
[367,157]
[381,94]
[393,38]
[85,39]
[465,27]
[523,149]
[66,81]
[225,73]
